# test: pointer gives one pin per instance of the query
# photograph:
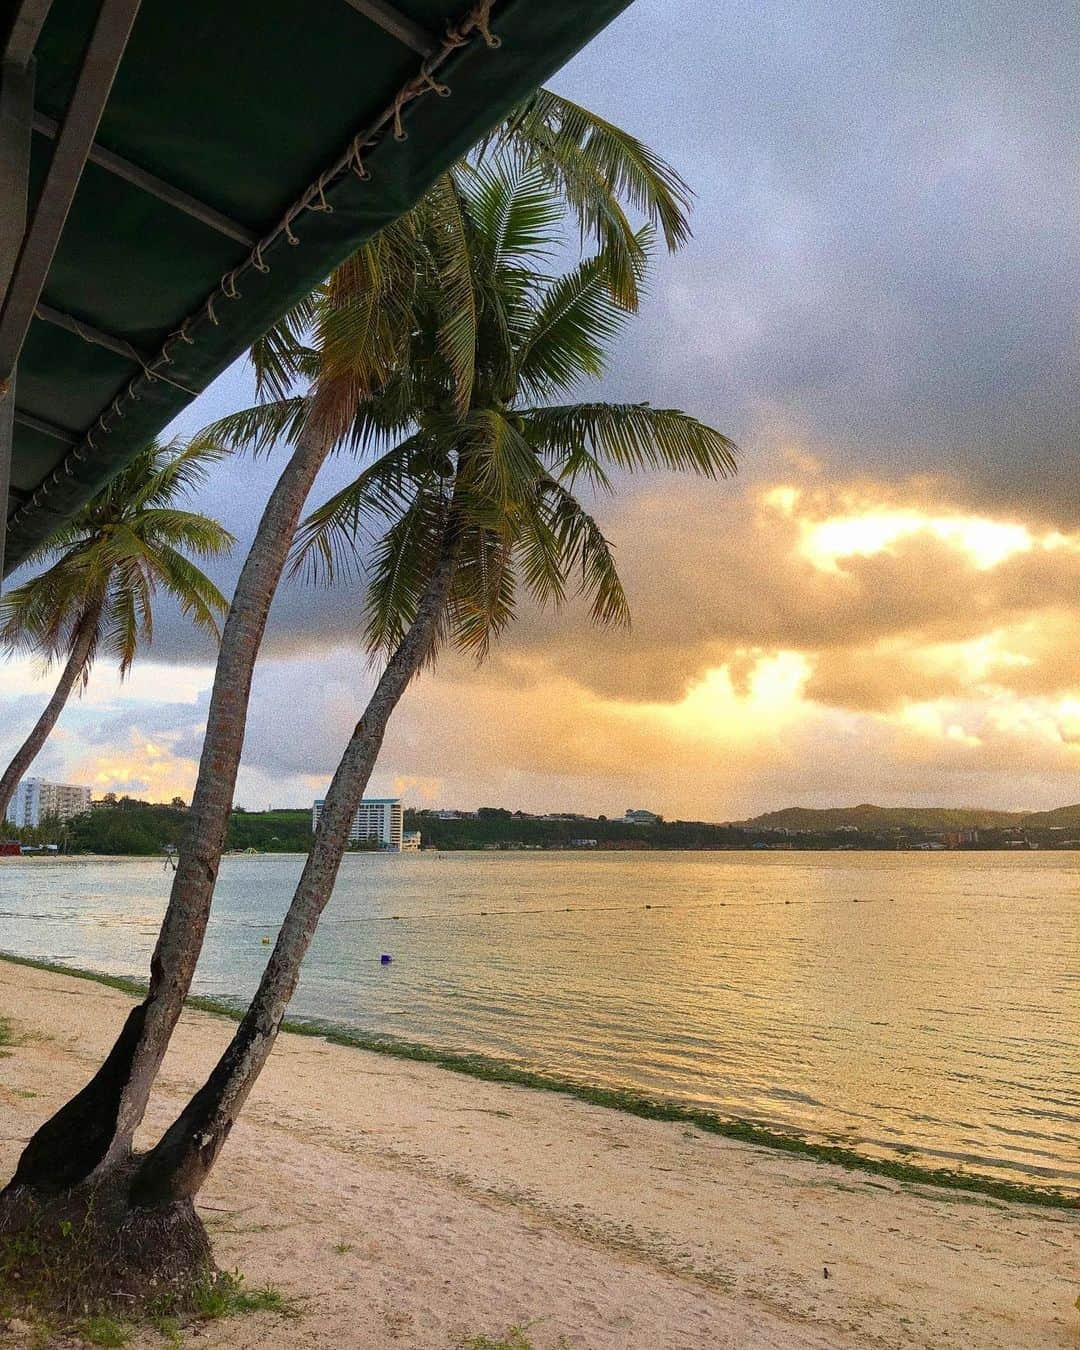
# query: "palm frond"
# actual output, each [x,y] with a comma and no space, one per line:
[258,428]
[330,540]
[280,356]
[581,543]
[105,565]
[483,595]
[598,168]
[172,472]
[199,599]
[514,210]
[401,566]
[569,330]
[497,464]
[560,132]
[628,436]
[459,312]
[365,313]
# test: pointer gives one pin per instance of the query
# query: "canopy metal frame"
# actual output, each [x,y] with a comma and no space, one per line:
[72,148]
[26,25]
[156,187]
[96,410]
[16,111]
[27,249]
[28,246]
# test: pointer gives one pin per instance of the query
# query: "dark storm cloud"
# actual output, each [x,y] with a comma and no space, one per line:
[886,233]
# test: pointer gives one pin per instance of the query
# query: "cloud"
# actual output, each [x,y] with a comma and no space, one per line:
[879,304]
[797,639]
[884,232]
[809,641]
[117,736]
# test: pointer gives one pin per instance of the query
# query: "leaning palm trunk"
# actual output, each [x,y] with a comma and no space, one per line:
[73,672]
[94,1130]
[176,1168]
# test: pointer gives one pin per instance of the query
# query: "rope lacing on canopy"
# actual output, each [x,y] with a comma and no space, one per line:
[87,335]
[474,23]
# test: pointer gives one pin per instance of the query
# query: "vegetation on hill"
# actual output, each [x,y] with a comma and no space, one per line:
[507,829]
[1061,818]
[285,831]
[868,817]
[125,825]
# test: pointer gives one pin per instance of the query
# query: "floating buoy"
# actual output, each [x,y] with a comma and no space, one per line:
[385,959]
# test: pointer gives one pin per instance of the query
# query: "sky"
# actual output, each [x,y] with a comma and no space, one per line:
[880,305]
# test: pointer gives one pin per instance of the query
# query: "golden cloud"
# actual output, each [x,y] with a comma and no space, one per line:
[792,641]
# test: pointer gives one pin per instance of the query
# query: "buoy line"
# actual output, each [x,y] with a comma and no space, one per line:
[452,916]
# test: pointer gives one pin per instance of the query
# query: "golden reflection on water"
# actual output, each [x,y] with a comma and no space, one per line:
[922,1004]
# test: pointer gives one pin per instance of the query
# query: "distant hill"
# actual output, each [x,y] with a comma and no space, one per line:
[1061,817]
[882,818]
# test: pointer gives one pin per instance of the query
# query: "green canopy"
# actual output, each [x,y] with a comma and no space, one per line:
[194,169]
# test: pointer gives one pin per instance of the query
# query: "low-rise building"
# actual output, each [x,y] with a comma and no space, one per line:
[411,841]
[36,799]
[378,820]
[633,817]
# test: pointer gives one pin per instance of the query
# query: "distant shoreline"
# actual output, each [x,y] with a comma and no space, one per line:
[562,851]
[577,852]
[135,827]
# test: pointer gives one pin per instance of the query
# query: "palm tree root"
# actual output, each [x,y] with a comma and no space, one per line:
[90,1251]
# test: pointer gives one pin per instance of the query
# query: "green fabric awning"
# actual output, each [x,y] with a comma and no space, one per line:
[245,148]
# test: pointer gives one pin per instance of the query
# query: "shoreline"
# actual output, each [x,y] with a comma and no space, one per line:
[490,1069]
[396,1206]
[757,850]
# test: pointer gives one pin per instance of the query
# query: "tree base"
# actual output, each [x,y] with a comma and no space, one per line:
[89,1251]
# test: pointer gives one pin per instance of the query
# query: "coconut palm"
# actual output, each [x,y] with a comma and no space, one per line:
[103,569]
[356,378]
[473,505]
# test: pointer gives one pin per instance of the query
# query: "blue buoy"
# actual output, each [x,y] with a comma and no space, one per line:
[385,959]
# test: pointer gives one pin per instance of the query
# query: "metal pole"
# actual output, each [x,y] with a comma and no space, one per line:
[16,112]
[26,25]
[78,129]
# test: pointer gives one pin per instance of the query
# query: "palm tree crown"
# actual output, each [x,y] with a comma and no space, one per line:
[106,565]
[481,453]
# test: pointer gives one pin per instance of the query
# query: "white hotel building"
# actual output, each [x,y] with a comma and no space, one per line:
[377,818]
[35,799]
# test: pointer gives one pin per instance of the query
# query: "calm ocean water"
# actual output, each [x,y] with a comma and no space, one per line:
[938,1017]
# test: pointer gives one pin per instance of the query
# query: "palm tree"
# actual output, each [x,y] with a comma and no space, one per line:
[475,503]
[364,321]
[96,595]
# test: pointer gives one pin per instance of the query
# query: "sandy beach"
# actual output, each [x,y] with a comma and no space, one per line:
[400,1205]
